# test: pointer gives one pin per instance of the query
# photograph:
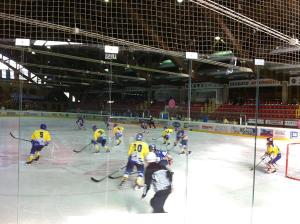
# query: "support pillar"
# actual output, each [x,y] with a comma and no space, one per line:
[225,93]
[284,92]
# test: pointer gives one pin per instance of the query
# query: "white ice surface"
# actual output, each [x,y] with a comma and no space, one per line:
[58,190]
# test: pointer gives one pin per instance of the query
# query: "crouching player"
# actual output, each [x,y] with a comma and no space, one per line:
[161,178]
[39,139]
[99,138]
[273,152]
[136,155]
[163,157]
[118,133]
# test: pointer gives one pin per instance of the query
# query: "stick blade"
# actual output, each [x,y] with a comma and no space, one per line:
[116,177]
[95,179]
[11,134]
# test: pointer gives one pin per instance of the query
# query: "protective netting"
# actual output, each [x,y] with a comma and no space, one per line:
[250,29]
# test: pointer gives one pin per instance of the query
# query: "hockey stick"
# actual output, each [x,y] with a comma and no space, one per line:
[26,140]
[109,175]
[156,138]
[257,164]
[79,150]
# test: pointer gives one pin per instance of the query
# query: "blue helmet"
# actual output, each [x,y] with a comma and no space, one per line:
[152,147]
[43,126]
[139,137]
[94,128]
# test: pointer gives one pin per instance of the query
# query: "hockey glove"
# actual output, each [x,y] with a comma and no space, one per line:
[145,190]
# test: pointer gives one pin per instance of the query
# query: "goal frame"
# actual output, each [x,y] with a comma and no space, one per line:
[287,161]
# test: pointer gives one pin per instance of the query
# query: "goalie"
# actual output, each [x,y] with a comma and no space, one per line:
[273,152]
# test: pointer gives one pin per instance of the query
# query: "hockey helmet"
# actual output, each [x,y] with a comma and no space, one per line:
[94,128]
[152,147]
[139,137]
[270,139]
[43,126]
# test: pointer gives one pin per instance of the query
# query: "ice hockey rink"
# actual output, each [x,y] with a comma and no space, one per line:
[213,184]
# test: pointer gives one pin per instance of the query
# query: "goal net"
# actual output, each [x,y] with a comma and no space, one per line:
[292,170]
[249,29]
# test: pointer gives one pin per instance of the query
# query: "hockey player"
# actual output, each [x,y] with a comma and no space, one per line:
[163,157]
[136,155]
[118,133]
[144,126]
[166,135]
[273,152]
[80,123]
[179,135]
[151,122]
[99,138]
[184,144]
[39,139]
[160,177]
[108,124]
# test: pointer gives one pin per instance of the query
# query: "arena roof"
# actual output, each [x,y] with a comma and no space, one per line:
[153,37]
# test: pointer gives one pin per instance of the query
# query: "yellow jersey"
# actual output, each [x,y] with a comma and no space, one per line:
[41,136]
[138,150]
[98,133]
[118,129]
[273,150]
[166,132]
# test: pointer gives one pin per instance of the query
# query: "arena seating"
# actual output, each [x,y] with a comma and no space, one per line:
[266,111]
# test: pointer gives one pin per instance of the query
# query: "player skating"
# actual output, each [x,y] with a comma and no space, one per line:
[99,138]
[108,123]
[272,152]
[161,178]
[118,133]
[80,123]
[39,139]
[166,134]
[151,122]
[136,155]
[144,126]
[183,144]
[179,135]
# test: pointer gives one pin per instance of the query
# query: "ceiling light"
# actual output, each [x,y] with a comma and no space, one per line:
[39,42]
[22,42]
